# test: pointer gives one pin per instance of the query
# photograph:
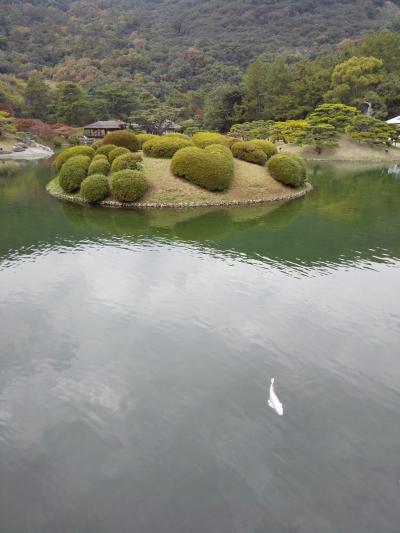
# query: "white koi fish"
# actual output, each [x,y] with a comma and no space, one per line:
[274,401]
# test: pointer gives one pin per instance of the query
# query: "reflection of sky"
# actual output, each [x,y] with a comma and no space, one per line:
[141,370]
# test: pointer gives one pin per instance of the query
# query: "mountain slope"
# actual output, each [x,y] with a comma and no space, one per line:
[161,41]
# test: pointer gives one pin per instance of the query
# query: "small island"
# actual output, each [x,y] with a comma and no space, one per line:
[127,170]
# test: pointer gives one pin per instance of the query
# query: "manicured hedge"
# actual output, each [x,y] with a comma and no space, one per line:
[99,166]
[212,170]
[132,161]
[120,150]
[143,137]
[106,149]
[249,152]
[287,169]
[73,172]
[72,152]
[165,146]
[124,138]
[128,185]
[205,138]
[95,188]
[267,147]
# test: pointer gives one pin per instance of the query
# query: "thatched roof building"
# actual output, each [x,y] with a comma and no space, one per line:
[99,129]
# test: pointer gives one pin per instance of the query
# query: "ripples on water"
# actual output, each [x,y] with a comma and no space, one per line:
[137,350]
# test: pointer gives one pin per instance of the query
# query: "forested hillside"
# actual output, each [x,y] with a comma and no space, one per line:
[214,62]
[180,43]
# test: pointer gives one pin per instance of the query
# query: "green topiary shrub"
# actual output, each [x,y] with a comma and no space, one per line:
[302,163]
[100,156]
[287,169]
[128,185]
[73,172]
[99,166]
[127,161]
[176,135]
[105,149]
[205,138]
[143,137]
[95,188]
[96,144]
[212,170]
[117,152]
[124,138]
[267,147]
[219,149]
[72,152]
[248,152]
[165,146]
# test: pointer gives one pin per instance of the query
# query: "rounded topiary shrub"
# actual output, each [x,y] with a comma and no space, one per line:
[176,135]
[95,188]
[128,185]
[248,152]
[124,138]
[211,170]
[73,172]
[120,150]
[302,163]
[143,137]
[100,156]
[99,166]
[205,138]
[165,146]
[72,152]
[96,144]
[127,161]
[219,149]
[106,149]
[267,147]
[286,169]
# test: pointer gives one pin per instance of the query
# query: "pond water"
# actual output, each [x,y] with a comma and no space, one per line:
[136,351]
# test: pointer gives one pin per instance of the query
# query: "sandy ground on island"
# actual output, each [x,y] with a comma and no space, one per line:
[251,182]
[347,150]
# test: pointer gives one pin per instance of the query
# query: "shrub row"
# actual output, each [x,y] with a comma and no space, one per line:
[126,183]
[267,147]
[165,146]
[289,169]
[206,138]
[132,161]
[71,152]
[123,138]
[249,152]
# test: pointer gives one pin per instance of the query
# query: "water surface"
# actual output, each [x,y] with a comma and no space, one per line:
[136,348]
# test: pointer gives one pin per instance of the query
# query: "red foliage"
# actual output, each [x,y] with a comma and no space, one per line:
[45,131]
[7,108]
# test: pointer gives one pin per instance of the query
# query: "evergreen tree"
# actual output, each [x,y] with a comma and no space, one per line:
[37,98]
[222,108]
[72,105]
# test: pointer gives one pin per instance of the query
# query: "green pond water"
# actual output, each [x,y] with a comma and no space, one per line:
[137,350]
